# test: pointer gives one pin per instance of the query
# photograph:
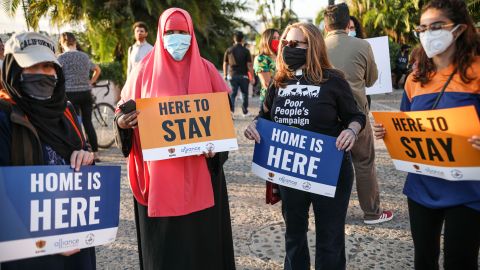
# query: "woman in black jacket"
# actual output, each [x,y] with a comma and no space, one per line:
[39,127]
[305,76]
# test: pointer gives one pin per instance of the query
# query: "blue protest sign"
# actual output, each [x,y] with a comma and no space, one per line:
[297,158]
[52,209]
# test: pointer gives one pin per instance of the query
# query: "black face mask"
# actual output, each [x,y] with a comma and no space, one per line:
[38,86]
[294,58]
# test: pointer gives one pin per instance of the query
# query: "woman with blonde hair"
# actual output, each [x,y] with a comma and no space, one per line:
[305,75]
[264,63]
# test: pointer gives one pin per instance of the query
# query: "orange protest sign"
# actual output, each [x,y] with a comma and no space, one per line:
[433,142]
[178,126]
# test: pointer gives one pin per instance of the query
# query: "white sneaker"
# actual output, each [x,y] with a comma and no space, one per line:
[245,115]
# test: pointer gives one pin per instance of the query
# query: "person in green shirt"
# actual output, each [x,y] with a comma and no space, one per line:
[264,63]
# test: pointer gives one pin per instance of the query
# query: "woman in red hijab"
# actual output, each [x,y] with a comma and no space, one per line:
[181,205]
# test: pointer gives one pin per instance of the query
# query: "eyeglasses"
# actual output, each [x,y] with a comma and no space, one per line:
[433,28]
[292,43]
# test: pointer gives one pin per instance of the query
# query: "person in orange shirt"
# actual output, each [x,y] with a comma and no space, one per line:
[447,76]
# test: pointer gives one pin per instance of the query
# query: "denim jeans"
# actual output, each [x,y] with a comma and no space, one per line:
[242,83]
[330,214]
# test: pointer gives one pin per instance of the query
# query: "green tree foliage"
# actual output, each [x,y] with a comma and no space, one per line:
[271,19]
[396,18]
[474,8]
[108,22]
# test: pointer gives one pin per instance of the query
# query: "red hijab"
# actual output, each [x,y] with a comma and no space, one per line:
[176,186]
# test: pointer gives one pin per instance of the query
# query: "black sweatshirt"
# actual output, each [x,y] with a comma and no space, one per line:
[327,108]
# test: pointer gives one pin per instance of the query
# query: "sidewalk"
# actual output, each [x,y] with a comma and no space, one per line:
[258,228]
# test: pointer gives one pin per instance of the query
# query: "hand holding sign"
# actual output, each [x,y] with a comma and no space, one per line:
[346,139]
[475,141]
[129,120]
[251,132]
[79,158]
[379,131]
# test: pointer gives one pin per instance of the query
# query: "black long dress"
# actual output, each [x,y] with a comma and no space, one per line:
[201,240]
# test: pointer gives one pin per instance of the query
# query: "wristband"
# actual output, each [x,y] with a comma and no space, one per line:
[354,133]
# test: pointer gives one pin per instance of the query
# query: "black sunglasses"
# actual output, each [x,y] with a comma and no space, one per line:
[292,43]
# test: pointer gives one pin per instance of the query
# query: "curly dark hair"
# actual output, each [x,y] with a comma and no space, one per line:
[358,28]
[467,44]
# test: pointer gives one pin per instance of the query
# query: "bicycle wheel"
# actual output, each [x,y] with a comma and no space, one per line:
[102,120]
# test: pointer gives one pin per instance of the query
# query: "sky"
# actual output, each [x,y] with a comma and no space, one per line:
[9,24]
[305,9]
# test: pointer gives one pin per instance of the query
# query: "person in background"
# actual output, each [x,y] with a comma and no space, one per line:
[181,205]
[38,127]
[355,29]
[437,206]
[354,57]
[401,65]
[303,63]
[264,63]
[413,60]
[76,67]
[2,56]
[253,88]
[2,51]
[140,48]
[237,63]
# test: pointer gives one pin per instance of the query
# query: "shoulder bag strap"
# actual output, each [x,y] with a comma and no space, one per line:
[443,90]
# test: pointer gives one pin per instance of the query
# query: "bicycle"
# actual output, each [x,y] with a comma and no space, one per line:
[103,115]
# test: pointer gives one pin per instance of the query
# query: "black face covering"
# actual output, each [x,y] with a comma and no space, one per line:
[38,86]
[47,116]
[294,57]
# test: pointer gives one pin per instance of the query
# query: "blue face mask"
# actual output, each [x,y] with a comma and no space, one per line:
[177,45]
[352,33]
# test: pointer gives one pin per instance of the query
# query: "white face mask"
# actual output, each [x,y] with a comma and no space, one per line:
[352,33]
[436,42]
[177,45]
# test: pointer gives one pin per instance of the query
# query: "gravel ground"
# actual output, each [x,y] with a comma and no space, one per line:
[258,228]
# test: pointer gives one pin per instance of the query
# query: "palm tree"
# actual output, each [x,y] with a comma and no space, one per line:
[266,12]
[394,18]
[11,6]
[109,22]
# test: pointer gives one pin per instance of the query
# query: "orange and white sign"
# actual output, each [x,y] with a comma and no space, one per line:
[179,126]
[433,142]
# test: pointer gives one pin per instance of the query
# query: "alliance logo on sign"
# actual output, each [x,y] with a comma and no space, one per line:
[40,244]
[89,239]
[270,176]
[306,186]
[434,172]
[70,243]
[457,174]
